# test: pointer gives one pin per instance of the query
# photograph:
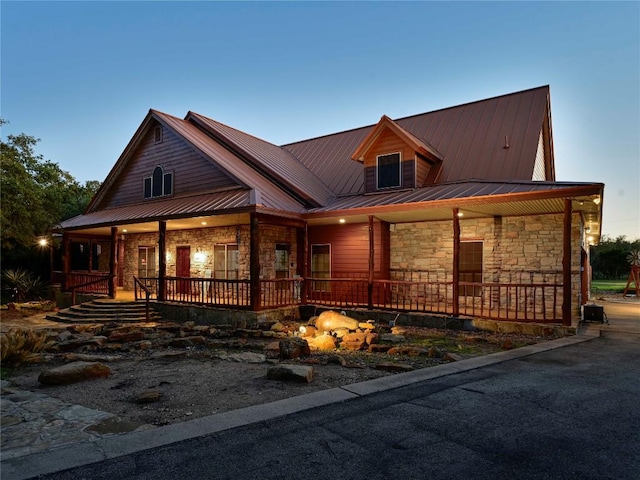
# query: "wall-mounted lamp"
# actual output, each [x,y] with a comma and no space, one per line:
[168,256]
[590,240]
[199,256]
[342,220]
[460,214]
[597,200]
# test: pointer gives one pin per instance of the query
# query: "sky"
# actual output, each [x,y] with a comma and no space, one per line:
[81,76]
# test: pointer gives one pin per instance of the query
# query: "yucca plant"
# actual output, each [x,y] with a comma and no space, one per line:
[22,345]
[22,285]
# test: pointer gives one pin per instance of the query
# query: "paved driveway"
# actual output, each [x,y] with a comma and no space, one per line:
[568,413]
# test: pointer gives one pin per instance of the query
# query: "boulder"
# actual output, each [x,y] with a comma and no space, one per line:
[308,331]
[366,326]
[330,320]
[294,373]
[293,347]
[278,327]
[131,336]
[411,351]
[322,343]
[355,337]
[337,359]
[187,341]
[378,348]
[392,338]
[73,373]
[372,338]
[354,345]
[451,357]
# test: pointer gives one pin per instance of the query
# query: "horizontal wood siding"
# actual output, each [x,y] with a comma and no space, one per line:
[422,171]
[191,171]
[408,173]
[350,249]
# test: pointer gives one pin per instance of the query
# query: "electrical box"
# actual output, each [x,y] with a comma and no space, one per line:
[593,313]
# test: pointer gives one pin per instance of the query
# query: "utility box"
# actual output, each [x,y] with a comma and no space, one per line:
[593,313]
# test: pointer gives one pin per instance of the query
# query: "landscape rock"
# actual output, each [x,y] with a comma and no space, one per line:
[278,327]
[308,331]
[372,338]
[394,367]
[73,373]
[322,343]
[187,341]
[330,320]
[293,347]
[392,338]
[294,373]
[366,326]
[337,359]
[411,351]
[378,348]
[354,345]
[148,396]
[247,357]
[451,357]
[131,336]
[434,352]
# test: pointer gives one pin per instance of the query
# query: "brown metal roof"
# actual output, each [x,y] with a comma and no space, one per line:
[470,137]
[273,161]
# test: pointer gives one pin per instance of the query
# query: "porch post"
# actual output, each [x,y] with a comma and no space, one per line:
[113,262]
[254,263]
[162,259]
[456,262]
[566,264]
[371,265]
[66,260]
[303,266]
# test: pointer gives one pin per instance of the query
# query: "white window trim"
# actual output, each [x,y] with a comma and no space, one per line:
[399,153]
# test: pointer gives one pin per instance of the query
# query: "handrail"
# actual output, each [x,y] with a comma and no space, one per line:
[146,290]
[86,284]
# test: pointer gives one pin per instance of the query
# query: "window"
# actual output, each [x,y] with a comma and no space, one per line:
[282,260]
[470,268]
[159,184]
[388,170]
[157,134]
[225,261]
[321,266]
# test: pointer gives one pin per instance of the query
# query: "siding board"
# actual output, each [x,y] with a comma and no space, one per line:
[191,171]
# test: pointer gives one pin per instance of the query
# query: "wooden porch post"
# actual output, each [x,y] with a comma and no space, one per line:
[303,265]
[113,262]
[566,264]
[162,263]
[66,260]
[254,263]
[371,265]
[456,262]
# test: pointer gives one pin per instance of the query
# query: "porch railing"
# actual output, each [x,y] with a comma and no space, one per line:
[528,302]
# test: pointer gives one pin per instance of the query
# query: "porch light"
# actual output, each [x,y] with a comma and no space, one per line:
[199,256]
[460,214]
[43,242]
[342,220]
[203,223]
[597,200]
[590,240]
[124,230]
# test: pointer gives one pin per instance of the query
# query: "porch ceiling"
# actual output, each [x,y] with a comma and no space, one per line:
[207,221]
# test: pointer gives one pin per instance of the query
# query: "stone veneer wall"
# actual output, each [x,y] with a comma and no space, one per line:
[524,249]
[205,239]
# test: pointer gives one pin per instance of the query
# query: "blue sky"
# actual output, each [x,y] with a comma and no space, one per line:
[81,76]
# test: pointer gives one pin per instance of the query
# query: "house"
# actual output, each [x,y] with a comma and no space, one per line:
[454,211]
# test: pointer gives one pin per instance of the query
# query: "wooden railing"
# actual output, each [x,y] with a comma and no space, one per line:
[209,291]
[97,283]
[139,285]
[528,302]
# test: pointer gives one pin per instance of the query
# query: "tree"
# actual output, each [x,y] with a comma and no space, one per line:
[36,195]
[609,257]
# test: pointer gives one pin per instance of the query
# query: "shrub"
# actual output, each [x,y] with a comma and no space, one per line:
[22,285]
[22,345]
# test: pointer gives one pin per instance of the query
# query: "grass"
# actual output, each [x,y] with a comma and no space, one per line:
[616,286]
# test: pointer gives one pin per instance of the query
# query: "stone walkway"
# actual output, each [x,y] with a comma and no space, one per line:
[35,422]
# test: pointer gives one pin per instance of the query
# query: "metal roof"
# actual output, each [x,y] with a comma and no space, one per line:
[470,137]
[271,160]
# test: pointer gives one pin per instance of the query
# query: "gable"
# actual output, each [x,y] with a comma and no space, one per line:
[191,171]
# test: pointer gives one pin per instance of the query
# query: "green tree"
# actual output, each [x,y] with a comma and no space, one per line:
[609,257]
[36,194]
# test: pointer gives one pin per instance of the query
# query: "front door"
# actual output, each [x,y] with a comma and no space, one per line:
[183,268]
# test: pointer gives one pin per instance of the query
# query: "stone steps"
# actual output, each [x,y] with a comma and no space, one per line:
[105,311]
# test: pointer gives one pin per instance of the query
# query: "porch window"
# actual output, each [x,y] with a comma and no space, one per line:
[470,268]
[226,261]
[79,259]
[159,184]
[388,170]
[282,264]
[321,266]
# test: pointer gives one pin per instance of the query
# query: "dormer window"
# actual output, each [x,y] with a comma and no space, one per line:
[388,170]
[159,184]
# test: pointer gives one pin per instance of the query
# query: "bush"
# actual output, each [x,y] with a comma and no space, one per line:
[22,345]
[22,285]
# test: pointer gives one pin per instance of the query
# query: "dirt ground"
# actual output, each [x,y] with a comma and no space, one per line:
[179,384]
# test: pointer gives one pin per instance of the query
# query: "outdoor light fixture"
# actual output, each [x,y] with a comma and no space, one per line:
[597,200]
[43,242]
[124,230]
[460,214]
[199,256]
[590,240]
[342,220]
[203,223]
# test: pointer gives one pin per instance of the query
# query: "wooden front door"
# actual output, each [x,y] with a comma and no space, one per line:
[183,268]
